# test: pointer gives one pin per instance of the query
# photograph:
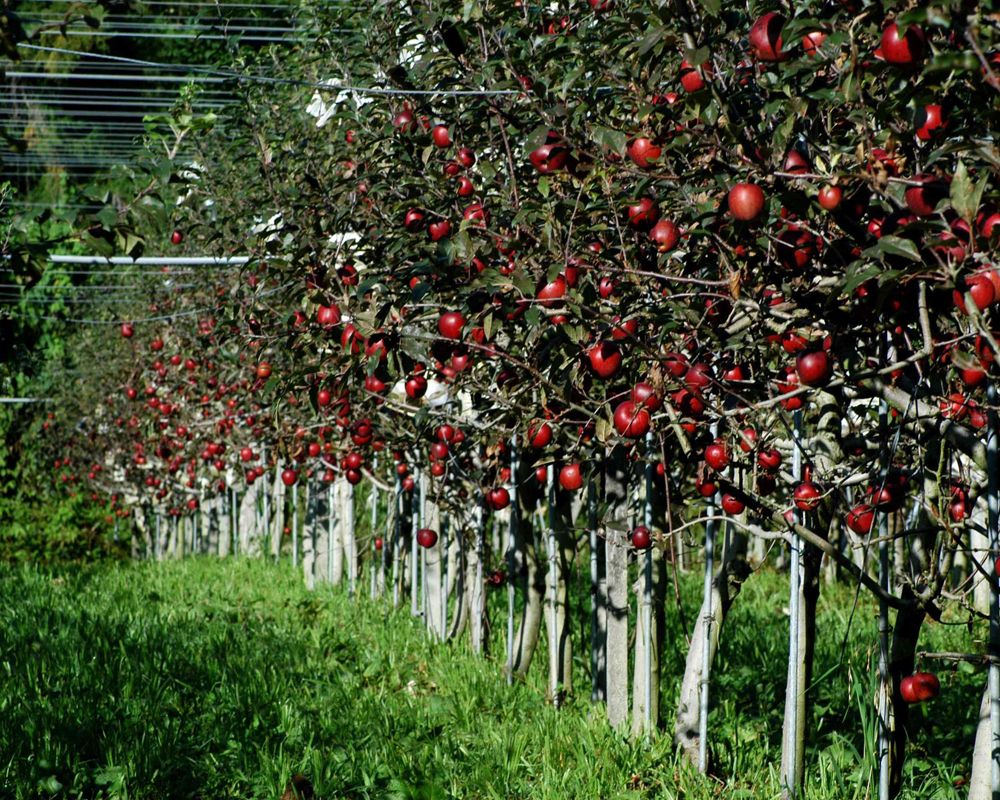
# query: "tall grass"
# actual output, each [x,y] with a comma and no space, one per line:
[209,679]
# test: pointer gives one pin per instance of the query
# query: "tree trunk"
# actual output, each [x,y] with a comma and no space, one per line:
[433,562]
[277,510]
[726,586]
[533,579]
[319,524]
[309,536]
[980,784]
[616,547]
[475,586]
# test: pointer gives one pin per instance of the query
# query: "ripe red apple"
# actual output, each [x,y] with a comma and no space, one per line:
[769,459]
[641,538]
[924,197]
[378,544]
[645,395]
[746,201]
[605,359]
[829,197]
[861,518]
[415,387]
[919,686]
[328,316]
[643,214]
[812,41]
[903,49]
[765,37]
[466,157]
[246,454]
[928,121]
[450,325]
[550,294]
[498,498]
[631,420]
[732,504]
[465,187]
[814,367]
[439,230]
[980,287]
[263,370]
[176,237]
[441,136]
[691,80]
[643,151]
[414,220]
[427,538]
[289,477]
[549,157]
[665,235]
[807,496]
[539,435]
[570,477]
[128,330]
[717,456]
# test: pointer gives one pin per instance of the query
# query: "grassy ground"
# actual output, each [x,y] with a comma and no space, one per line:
[213,680]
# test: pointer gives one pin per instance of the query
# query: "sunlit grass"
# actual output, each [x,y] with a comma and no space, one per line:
[209,679]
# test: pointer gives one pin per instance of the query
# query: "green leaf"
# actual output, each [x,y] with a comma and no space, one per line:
[543,186]
[895,246]
[711,7]
[649,41]
[614,141]
[858,276]
[965,198]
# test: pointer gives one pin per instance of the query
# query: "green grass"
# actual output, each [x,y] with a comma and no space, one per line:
[204,679]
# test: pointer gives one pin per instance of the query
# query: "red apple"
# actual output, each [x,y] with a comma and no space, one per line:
[644,394]
[919,686]
[631,420]
[643,214]
[415,387]
[691,79]
[717,456]
[980,287]
[807,496]
[665,235]
[861,518]
[924,197]
[732,504]
[498,498]
[929,121]
[769,459]
[450,325]
[605,359]
[176,237]
[441,136]
[643,151]
[128,330]
[465,187]
[549,157]
[263,370]
[439,230]
[746,201]
[570,477]
[641,538]
[903,49]
[414,220]
[539,435]
[289,477]
[427,538]
[829,197]
[765,37]
[811,42]
[466,157]
[814,367]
